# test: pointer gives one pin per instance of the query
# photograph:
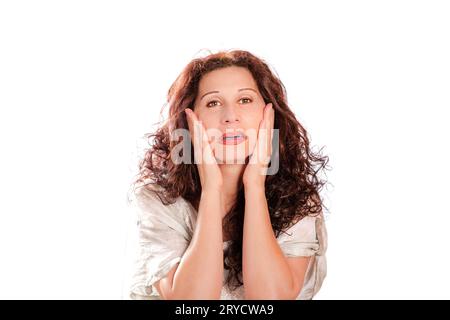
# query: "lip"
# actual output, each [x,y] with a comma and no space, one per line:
[232,138]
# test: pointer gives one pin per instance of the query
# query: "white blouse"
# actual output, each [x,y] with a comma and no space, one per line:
[164,233]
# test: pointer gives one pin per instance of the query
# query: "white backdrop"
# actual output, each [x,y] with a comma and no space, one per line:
[82,81]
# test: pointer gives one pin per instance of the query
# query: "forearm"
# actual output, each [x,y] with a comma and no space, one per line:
[200,272]
[265,271]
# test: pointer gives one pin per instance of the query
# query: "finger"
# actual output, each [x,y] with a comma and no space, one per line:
[205,151]
[212,144]
[271,115]
[188,119]
[207,147]
[271,125]
[266,119]
[202,140]
[267,113]
[201,129]
[266,139]
[195,135]
[190,126]
[262,139]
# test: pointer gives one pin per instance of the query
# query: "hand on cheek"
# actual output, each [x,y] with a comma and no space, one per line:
[255,172]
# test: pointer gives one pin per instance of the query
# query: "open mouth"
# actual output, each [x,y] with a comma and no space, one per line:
[233,138]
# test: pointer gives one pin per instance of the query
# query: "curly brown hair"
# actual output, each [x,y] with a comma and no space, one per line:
[292,193]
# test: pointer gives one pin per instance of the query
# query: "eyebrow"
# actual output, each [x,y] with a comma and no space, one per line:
[242,89]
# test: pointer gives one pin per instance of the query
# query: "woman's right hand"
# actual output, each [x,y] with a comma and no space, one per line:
[208,169]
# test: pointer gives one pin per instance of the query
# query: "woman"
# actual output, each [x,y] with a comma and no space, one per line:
[242,217]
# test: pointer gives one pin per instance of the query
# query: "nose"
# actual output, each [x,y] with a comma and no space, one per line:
[230,115]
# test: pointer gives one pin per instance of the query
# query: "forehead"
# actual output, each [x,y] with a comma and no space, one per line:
[227,78]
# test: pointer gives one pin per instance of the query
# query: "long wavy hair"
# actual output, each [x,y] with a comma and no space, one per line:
[292,193]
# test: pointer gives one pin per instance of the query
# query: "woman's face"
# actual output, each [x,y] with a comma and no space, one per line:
[229,102]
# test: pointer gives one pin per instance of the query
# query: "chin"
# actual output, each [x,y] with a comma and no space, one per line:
[231,154]
[232,159]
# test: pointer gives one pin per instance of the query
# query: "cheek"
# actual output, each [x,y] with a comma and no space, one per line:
[206,120]
[211,125]
[253,118]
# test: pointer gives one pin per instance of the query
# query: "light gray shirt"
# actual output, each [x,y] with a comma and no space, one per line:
[164,234]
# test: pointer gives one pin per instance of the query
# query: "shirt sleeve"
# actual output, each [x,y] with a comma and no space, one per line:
[300,239]
[308,238]
[162,240]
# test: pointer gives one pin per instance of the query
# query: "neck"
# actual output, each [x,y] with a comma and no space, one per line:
[231,174]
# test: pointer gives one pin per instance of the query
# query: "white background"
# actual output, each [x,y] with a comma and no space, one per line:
[82,81]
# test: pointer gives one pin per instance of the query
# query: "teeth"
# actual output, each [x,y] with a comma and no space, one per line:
[232,137]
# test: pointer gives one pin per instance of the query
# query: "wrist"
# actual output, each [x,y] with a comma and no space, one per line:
[212,197]
[254,185]
[211,192]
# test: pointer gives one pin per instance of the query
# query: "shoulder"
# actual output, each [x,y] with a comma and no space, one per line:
[149,202]
[151,207]
[305,237]
[305,226]
[147,195]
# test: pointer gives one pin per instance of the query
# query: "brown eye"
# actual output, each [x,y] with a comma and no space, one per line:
[209,103]
[249,100]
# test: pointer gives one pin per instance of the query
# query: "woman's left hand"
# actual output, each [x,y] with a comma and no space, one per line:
[255,172]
